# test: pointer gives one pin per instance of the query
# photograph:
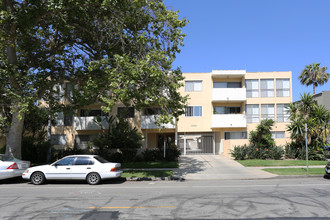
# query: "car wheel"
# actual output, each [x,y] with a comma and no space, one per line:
[38,178]
[93,178]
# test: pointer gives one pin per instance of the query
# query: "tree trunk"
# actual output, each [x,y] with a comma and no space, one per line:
[313,89]
[14,136]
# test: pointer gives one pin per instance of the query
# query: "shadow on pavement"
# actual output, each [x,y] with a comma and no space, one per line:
[12,181]
[189,165]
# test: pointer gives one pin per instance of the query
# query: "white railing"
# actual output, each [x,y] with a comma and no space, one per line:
[149,122]
[229,94]
[89,123]
[229,121]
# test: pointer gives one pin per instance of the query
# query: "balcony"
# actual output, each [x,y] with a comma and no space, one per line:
[229,94]
[228,73]
[89,123]
[229,121]
[149,122]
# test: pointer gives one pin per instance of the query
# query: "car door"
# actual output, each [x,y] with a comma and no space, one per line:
[81,167]
[61,169]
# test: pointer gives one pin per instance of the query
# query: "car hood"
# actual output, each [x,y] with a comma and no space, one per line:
[42,167]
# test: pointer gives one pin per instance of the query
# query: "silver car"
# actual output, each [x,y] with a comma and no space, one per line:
[11,167]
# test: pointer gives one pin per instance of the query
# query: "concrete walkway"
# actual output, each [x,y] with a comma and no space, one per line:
[216,167]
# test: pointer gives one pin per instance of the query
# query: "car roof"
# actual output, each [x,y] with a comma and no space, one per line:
[82,155]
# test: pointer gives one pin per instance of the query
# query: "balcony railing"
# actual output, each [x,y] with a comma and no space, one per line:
[229,94]
[149,122]
[89,123]
[229,121]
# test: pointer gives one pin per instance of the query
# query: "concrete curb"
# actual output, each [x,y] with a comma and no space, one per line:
[172,178]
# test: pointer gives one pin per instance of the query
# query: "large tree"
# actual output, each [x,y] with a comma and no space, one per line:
[314,75]
[112,51]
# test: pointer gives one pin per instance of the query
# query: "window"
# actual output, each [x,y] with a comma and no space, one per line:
[193,111]
[65,161]
[193,86]
[282,87]
[100,159]
[82,141]
[226,110]
[267,87]
[58,139]
[59,119]
[235,135]
[91,112]
[278,134]
[83,161]
[227,85]
[152,111]
[125,112]
[68,120]
[267,111]
[252,113]
[252,88]
[282,112]
[68,91]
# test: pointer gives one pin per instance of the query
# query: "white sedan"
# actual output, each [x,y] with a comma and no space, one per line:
[11,167]
[91,168]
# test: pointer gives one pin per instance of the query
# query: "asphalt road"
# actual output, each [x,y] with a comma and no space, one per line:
[295,198]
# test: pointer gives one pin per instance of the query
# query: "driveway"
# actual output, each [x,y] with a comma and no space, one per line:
[217,167]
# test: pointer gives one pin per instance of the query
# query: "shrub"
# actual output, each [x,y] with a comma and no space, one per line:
[276,152]
[172,153]
[239,153]
[152,154]
[253,152]
[33,151]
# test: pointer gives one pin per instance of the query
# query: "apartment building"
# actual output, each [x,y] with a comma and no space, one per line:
[224,106]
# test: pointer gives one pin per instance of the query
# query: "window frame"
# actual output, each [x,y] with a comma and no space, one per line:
[267,90]
[193,86]
[193,111]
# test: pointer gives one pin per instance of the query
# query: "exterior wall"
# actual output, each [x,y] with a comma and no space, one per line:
[198,98]
[323,98]
[206,99]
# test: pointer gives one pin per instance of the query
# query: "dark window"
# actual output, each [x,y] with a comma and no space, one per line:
[84,161]
[68,120]
[227,85]
[152,111]
[101,160]
[65,162]
[226,110]
[90,112]
[125,112]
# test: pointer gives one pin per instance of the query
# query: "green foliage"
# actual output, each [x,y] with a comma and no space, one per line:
[262,137]
[3,149]
[252,152]
[239,152]
[317,118]
[120,135]
[314,75]
[113,51]
[35,151]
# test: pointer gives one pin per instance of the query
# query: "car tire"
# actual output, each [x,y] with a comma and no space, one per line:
[93,178]
[38,178]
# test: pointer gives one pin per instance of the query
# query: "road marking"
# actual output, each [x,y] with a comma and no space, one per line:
[135,207]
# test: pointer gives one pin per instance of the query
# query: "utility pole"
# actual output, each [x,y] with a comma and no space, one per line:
[306,146]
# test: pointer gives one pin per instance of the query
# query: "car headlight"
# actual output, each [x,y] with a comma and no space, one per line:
[26,171]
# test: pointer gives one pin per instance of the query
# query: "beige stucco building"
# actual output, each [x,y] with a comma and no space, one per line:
[223,107]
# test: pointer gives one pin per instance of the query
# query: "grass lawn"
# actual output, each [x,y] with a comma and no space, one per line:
[163,164]
[275,163]
[295,171]
[142,173]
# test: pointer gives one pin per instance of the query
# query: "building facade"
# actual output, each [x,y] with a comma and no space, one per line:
[223,107]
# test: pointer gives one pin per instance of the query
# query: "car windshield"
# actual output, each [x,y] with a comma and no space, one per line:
[101,160]
[6,158]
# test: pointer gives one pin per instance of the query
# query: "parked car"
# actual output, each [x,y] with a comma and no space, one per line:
[327,169]
[91,168]
[11,167]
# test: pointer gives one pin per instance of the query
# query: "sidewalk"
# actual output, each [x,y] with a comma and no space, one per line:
[216,167]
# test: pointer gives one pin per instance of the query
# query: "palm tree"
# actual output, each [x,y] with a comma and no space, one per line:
[314,75]
[306,104]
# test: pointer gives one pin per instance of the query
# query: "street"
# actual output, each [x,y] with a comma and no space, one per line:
[278,198]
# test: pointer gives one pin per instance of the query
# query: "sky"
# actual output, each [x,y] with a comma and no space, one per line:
[256,36]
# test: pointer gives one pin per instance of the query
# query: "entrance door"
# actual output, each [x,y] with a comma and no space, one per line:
[197,144]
